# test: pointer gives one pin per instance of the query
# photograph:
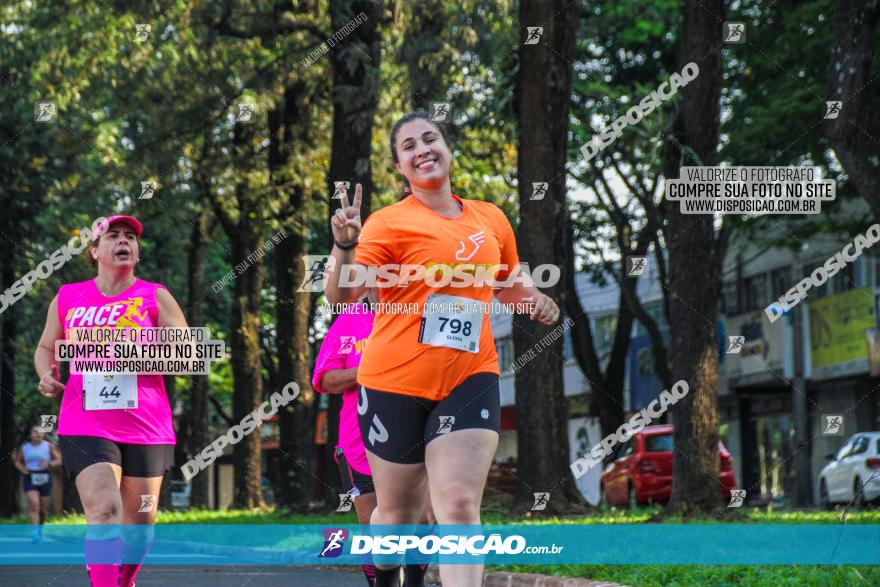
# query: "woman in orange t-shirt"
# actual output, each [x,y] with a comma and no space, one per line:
[429,404]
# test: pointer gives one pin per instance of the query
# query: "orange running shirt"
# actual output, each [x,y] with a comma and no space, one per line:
[410,233]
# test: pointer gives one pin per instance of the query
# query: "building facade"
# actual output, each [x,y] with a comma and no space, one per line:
[815,360]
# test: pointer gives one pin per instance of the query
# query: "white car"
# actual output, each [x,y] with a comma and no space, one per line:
[853,475]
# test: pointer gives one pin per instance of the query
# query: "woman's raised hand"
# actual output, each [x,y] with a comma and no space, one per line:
[50,386]
[346,222]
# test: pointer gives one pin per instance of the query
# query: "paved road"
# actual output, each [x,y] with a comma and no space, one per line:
[190,576]
[44,568]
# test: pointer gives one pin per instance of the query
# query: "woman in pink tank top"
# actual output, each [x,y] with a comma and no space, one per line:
[117,444]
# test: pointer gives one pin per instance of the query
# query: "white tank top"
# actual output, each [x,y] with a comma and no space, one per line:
[34,454]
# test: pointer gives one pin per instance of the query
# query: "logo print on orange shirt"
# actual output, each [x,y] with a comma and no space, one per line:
[476,239]
[122,314]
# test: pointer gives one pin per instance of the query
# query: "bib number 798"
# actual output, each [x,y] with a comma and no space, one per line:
[456,326]
[453,322]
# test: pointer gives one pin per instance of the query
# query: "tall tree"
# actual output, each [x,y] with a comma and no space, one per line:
[263,187]
[290,129]
[622,218]
[27,161]
[355,94]
[8,344]
[197,414]
[607,384]
[293,133]
[244,227]
[543,95]
[854,132]
[695,259]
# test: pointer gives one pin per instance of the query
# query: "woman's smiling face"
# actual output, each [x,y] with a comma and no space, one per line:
[422,155]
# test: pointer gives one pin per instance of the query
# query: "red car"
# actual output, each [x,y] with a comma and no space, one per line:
[641,471]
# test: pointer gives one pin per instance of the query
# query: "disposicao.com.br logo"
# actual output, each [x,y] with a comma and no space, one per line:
[334,541]
[431,544]
[450,544]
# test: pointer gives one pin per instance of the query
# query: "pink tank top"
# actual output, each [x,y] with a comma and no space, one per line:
[82,305]
[342,349]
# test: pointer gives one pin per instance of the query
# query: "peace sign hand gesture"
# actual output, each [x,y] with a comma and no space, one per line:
[346,222]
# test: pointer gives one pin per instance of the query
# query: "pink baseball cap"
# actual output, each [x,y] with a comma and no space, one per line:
[129,220]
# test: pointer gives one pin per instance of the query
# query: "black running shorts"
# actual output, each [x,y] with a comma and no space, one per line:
[353,482]
[136,460]
[40,481]
[398,427]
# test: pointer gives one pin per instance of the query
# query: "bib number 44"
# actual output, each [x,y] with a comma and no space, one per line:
[110,391]
[107,393]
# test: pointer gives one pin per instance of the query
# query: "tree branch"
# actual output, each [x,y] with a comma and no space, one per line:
[221,411]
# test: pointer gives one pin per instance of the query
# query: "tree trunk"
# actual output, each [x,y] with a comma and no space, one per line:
[197,414]
[248,383]
[295,460]
[606,400]
[542,99]
[355,97]
[245,335]
[583,346]
[615,370]
[8,474]
[635,310]
[694,267]
[853,134]
[289,128]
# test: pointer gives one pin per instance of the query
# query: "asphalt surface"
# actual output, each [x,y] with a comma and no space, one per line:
[189,576]
[23,564]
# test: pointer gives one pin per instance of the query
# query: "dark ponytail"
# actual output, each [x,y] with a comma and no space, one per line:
[407,189]
[421,114]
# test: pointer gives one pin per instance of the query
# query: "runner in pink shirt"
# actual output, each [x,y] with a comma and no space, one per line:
[117,444]
[336,372]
